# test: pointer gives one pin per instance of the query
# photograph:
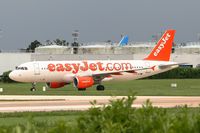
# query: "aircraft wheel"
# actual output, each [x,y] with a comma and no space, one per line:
[100,87]
[81,89]
[33,89]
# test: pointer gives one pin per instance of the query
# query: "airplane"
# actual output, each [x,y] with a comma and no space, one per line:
[86,73]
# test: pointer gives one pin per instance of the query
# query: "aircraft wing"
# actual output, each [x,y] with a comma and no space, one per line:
[98,76]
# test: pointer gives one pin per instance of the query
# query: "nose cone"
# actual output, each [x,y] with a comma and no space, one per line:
[13,75]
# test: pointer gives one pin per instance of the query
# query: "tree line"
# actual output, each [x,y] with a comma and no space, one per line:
[59,42]
[179,73]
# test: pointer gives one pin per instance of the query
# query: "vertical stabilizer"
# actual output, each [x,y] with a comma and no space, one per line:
[162,50]
[124,41]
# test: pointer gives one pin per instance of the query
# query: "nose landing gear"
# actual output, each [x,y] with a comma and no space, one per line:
[33,87]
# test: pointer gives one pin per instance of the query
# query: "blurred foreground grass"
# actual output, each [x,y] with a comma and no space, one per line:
[118,117]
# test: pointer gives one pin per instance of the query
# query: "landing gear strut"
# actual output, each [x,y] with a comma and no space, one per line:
[100,87]
[33,87]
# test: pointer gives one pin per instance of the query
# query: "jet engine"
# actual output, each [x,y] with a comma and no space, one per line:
[56,85]
[83,82]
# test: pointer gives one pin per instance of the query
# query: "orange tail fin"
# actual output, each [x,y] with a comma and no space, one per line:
[162,50]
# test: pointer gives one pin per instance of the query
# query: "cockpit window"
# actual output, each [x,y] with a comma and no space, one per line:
[21,68]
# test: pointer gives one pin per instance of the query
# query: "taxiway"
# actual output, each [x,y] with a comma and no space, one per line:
[56,103]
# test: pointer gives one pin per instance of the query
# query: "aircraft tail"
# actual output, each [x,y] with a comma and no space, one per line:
[162,50]
[124,41]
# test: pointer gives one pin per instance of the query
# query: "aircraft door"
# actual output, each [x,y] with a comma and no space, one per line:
[36,68]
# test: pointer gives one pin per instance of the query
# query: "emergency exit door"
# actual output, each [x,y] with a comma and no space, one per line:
[36,68]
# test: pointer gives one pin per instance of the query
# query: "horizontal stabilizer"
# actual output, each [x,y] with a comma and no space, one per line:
[170,65]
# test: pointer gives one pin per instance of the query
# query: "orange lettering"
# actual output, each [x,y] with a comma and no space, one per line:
[76,68]
[93,67]
[100,66]
[109,67]
[85,66]
[117,66]
[51,67]
[60,67]
[68,67]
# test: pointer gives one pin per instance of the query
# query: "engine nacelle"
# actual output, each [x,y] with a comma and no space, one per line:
[83,82]
[56,85]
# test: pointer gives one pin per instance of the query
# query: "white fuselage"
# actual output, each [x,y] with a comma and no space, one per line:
[65,71]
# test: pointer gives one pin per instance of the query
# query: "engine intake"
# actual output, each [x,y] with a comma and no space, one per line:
[83,82]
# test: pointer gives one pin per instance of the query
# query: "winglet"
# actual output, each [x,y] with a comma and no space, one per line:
[124,41]
[162,50]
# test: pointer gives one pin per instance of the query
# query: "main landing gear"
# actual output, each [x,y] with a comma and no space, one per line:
[100,88]
[33,87]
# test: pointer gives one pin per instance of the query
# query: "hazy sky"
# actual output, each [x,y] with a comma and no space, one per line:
[23,21]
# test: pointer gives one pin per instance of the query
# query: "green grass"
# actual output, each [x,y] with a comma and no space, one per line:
[9,119]
[185,87]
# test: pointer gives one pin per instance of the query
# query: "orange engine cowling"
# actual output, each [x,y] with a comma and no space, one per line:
[56,85]
[83,82]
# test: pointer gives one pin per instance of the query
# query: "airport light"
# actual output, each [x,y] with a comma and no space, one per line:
[75,35]
[1,31]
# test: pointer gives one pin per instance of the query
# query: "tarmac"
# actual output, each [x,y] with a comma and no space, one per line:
[30,103]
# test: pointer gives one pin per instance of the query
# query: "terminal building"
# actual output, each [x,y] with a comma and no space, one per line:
[182,53]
